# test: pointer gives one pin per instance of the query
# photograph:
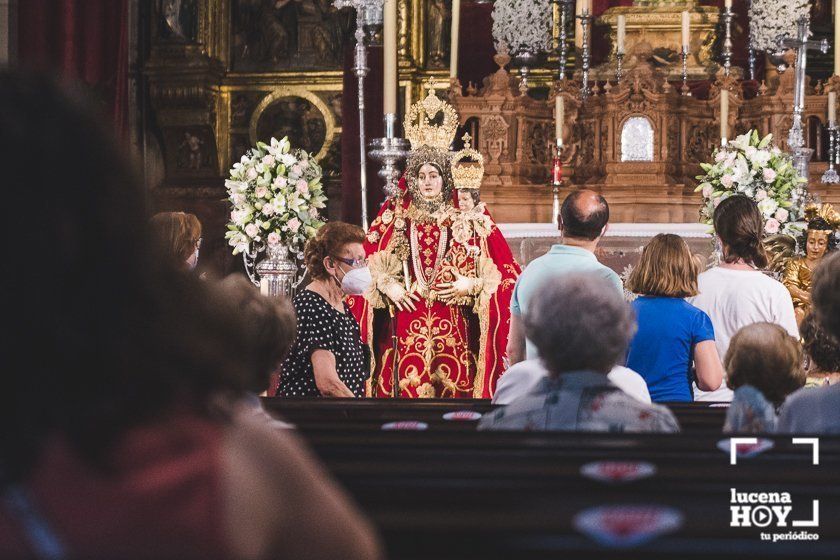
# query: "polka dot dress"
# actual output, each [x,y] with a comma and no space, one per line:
[320,326]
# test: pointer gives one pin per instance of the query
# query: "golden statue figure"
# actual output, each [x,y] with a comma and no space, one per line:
[819,238]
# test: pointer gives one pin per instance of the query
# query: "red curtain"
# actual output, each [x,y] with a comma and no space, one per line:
[82,40]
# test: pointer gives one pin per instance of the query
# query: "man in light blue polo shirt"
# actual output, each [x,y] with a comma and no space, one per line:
[583,220]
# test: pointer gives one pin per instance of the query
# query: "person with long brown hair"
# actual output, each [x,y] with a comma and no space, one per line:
[120,436]
[671,333]
[736,293]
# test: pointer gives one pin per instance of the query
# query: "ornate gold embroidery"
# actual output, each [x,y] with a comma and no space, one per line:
[373,236]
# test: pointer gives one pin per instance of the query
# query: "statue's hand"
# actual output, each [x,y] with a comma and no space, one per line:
[461,287]
[400,297]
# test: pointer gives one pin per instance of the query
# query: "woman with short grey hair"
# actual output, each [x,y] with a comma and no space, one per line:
[581,328]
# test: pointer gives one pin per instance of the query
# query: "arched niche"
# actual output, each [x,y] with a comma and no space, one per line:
[637,139]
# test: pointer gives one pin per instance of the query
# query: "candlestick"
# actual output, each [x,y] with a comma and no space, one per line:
[619,59]
[724,116]
[453,42]
[831,177]
[584,18]
[619,47]
[559,111]
[684,55]
[686,30]
[727,38]
[580,7]
[389,52]
[832,106]
[556,182]
[563,46]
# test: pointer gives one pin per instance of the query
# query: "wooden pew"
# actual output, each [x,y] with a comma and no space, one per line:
[457,493]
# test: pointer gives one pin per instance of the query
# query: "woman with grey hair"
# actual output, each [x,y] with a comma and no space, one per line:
[581,329]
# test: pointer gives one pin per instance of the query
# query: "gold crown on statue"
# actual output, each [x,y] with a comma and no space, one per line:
[422,125]
[825,211]
[467,175]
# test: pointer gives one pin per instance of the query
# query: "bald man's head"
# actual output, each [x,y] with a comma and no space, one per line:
[584,214]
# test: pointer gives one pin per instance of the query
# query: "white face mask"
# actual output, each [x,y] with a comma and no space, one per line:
[192,261]
[356,282]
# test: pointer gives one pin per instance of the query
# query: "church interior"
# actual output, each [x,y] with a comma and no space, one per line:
[274,124]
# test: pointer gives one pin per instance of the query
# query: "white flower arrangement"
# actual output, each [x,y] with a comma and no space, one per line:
[752,166]
[276,194]
[774,20]
[522,26]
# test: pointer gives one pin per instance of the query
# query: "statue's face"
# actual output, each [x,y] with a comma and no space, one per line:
[465,200]
[429,181]
[817,243]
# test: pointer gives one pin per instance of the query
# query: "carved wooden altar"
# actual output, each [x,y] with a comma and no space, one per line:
[601,138]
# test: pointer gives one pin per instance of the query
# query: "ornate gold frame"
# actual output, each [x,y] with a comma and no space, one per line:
[295,91]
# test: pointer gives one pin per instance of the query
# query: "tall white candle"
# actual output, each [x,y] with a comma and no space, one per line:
[724,114]
[836,37]
[389,53]
[621,31]
[686,32]
[558,116]
[453,43]
[727,4]
[832,106]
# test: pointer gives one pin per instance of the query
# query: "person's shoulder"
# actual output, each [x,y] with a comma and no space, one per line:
[518,380]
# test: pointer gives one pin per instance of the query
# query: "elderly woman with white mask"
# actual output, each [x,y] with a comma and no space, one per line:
[328,357]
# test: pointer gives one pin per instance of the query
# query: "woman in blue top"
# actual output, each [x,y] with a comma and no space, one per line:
[672,333]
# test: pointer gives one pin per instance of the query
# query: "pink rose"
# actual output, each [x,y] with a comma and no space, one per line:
[782,215]
[238,199]
[294,225]
[260,192]
[251,174]
[707,191]
[296,169]
[769,175]
[727,181]
[252,230]
[720,156]
[279,182]
[268,209]
[771,226]
[302,186]
[760,195]
[268,160]
[273,238]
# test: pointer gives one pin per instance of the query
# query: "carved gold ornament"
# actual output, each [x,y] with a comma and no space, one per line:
[421,121]
[467,175]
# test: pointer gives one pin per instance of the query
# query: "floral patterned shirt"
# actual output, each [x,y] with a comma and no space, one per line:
[583,401]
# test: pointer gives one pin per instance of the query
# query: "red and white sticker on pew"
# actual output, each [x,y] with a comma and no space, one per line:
[745,450]
[618,471]
[462,416]
[410,425]
[627,525]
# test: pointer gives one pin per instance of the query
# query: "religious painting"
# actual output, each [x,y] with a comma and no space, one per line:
[176,20]
[272,35]
[297,117]
[437,33]
[194,153]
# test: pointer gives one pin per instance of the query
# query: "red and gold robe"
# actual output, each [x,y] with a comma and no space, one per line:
[442,349]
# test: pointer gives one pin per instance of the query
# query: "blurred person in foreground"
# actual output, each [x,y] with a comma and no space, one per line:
[817,411]
[176,236]
[121,436]
[581,329]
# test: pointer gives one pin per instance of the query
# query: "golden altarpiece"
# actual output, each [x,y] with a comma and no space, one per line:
[222,74]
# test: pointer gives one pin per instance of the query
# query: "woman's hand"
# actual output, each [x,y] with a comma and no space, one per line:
[401,298]
[326,376]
